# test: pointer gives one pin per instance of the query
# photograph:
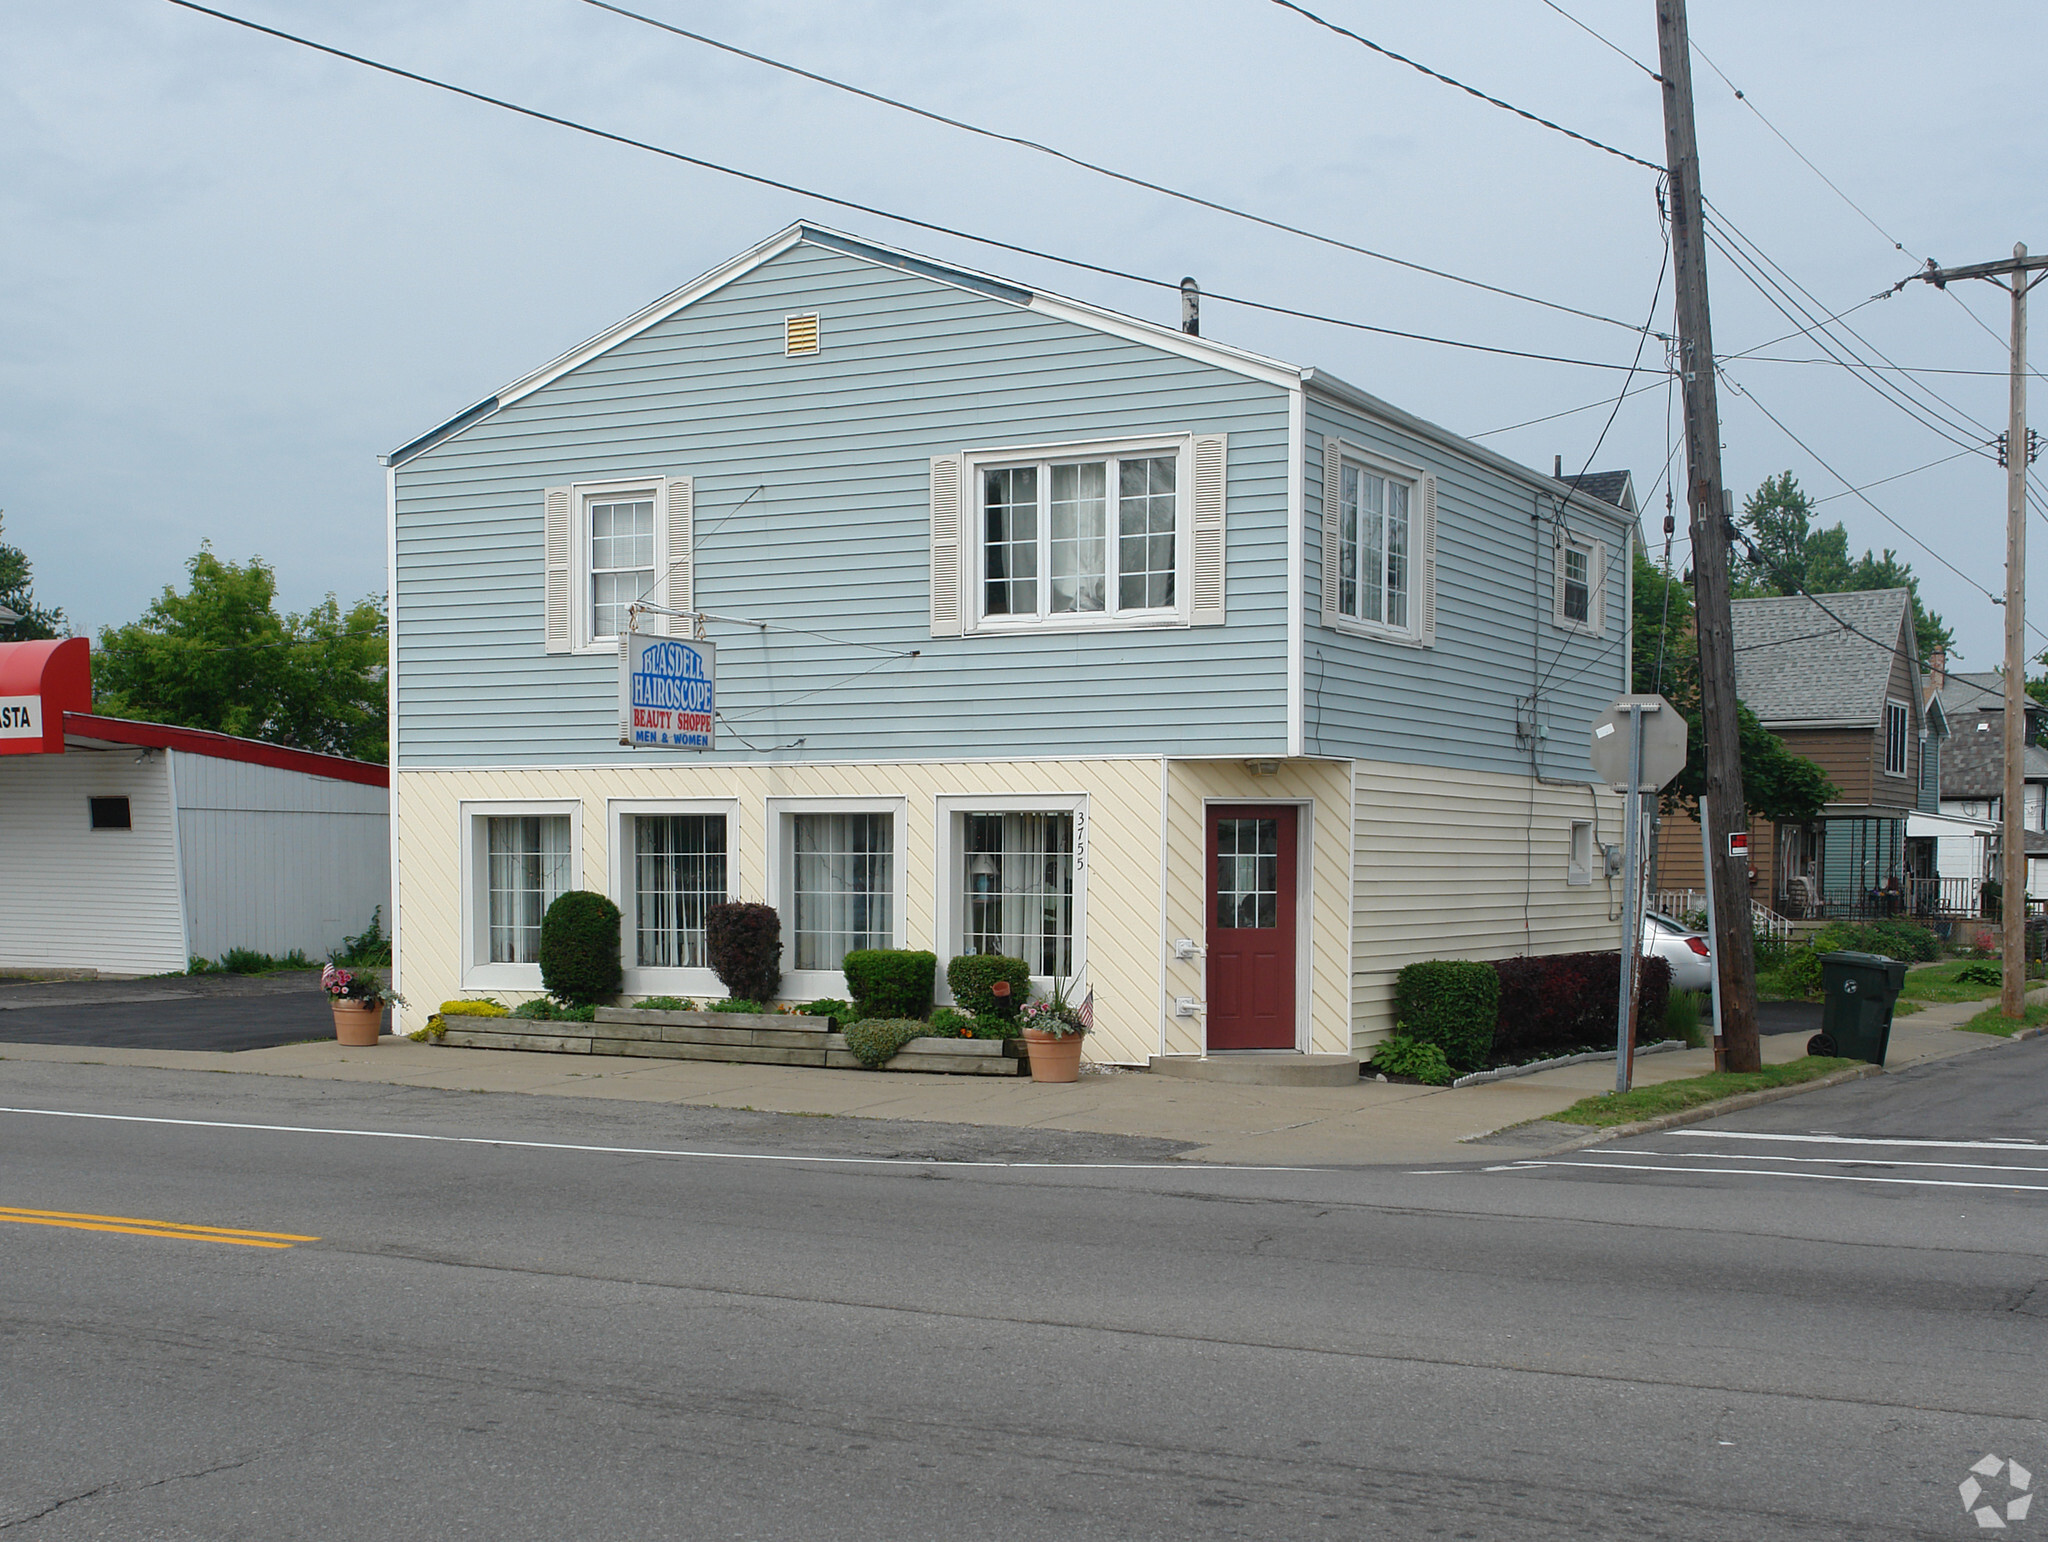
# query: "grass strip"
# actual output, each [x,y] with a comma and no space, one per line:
[1691,1091]
[1993,1021]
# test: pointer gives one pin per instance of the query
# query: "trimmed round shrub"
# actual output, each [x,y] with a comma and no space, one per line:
[973,977]
[891,982]
[579,949]
[1451,1003]
[745,944]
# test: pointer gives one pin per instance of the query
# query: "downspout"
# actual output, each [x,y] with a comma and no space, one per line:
[391,708]
[1297,570]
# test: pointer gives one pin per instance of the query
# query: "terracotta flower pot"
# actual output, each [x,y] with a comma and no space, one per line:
[357,1023]
[1054,1057]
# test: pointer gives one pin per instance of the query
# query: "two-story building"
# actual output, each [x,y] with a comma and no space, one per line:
[1211,683]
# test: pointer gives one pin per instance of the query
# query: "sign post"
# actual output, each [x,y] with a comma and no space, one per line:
[1713,930]
[667,692]
[1639,745]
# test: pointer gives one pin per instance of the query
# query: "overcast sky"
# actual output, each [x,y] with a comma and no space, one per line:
[233,272]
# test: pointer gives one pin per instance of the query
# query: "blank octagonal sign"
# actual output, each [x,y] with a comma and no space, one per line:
[1663,743]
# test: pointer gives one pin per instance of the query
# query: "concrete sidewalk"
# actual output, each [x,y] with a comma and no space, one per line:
[1370,1123]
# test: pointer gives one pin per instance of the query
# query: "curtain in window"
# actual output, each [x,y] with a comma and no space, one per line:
[621,561]
[1080,541]
[1019,888]
[527,862]
[845,885]
[1145,521]
[678,874]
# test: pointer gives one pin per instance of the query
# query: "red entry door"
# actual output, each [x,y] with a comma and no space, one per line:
[1251,927]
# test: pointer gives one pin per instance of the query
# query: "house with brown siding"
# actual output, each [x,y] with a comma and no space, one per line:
[1837,678]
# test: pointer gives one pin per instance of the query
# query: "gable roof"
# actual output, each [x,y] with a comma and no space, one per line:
[1615,487]
[1797,666]
[1973,760]
[1131,328]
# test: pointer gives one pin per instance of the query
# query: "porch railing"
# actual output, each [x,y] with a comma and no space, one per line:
[1682,903]
[1925,899]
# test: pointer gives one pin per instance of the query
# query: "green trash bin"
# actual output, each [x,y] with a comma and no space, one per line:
[1858,993]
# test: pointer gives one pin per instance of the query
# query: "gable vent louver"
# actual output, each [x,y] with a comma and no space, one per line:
[800,334]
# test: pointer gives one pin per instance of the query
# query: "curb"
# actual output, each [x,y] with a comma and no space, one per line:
[1702,1112]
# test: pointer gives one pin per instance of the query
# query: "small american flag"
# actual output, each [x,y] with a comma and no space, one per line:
[1086,1011]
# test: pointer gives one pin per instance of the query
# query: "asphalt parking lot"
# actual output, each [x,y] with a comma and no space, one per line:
[217,1012]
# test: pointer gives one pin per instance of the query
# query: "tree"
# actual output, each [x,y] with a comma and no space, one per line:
[1778,784]
[1792,556]
[17,593]
[219,656]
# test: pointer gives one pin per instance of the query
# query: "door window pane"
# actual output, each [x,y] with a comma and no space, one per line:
[678,874]
[621,561]
[845,885]
[1019,888]
[1080,544]
[1247,873]
[526,870]
[1145,515]
[1009,503]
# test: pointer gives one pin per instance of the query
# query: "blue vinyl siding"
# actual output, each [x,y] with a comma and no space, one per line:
[837,540]
[1455,704]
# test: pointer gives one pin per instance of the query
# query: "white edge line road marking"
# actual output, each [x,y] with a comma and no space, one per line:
[1765,1172]
[1779,1156]
[715,1156]
[1863,1140]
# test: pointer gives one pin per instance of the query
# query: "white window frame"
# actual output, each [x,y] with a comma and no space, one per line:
[1578,868]
[811,984]
[975,619]
[583,635]
[950,871]
[1896,711]
[1595,549]
[1420,572]
[478,972]
[619,816]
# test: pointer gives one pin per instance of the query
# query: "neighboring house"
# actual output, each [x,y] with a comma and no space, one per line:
[1838,681]
[1973,783]
[1211,684]
[134,847]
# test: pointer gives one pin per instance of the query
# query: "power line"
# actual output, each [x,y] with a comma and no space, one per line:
[1541,122]
[1612,47]
[1551,417]
[870,209]
[1751,397]
[1096,167]
[1896,476]
[1743,97]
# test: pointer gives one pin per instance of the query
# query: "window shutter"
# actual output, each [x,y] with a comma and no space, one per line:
[676,586]
[1333,469]
[1426,581]
[1598,565]
[948,471]
[1211,467]
[556,584]
[1557,572]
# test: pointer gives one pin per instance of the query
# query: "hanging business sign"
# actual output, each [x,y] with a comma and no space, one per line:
[666,694]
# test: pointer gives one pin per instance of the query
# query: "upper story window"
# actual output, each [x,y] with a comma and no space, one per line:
[1379,546]
[612,544]
[1895,718]
[1114,532]
[1081,538]
[1578,600]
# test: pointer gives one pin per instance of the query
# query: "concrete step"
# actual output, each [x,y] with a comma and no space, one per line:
[1262,1068]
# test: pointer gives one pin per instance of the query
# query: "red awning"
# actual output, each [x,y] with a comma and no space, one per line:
[39,683]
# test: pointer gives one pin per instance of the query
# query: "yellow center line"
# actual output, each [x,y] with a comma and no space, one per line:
[141,1227]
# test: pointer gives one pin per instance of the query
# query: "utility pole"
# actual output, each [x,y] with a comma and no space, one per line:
[2018,454]
[1725,812]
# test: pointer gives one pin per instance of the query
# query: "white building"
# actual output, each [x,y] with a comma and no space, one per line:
[131,848]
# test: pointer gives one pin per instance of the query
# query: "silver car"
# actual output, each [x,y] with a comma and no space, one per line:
[1685,950]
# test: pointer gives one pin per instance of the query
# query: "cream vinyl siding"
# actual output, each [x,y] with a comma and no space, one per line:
[1123,945]
[81,898]
[1446,861]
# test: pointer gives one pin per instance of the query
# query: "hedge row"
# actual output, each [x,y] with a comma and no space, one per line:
[1518,1009]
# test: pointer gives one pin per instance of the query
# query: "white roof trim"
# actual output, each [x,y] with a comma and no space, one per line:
[1170,339]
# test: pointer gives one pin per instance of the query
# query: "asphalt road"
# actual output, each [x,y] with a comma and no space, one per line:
[564,1319]
[216,1012]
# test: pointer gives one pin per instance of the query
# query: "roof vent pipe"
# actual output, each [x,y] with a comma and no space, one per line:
[1191,307]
